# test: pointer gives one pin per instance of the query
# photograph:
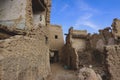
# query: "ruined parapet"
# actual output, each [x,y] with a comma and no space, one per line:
[116,28]
[78,39]
[79,34]
[99,40]
[113,61]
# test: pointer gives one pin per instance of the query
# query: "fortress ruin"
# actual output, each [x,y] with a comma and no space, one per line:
[29,44]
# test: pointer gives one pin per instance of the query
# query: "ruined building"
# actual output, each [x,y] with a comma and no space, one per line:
[56,42]
[101,51]
[24,53]
[75,42]
[113,53]
[27,39]
[28,43]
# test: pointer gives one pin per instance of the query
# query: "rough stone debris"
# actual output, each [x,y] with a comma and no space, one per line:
[88,74]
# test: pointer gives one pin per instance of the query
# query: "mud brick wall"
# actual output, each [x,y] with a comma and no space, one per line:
[113,61]
[23,58]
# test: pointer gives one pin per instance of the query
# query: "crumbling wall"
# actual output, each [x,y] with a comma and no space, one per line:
[104,37]
[89,49]
[23,58]
[28,15]
[75,47]
[70,57]
[96,50]
[48,11]
[24,53]
[113,61]
[79,44]
[116,28]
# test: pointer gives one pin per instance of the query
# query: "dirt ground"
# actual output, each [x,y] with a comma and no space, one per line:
[59,73]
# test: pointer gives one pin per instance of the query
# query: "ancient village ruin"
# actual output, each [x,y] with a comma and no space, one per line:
[99,50]
[29,44]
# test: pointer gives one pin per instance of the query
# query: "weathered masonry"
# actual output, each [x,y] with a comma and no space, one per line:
[99,50]
[24,53]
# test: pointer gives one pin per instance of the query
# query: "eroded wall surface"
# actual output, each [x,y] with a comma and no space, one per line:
[70,57]
[105,61]
[113,61]
[74,47]
[24,53]
[116,28]
[23,58]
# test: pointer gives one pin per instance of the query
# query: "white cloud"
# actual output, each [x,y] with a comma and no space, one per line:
[91,25]
[64,7]
[83,6]
[85,20]
[88,13]
[86,16]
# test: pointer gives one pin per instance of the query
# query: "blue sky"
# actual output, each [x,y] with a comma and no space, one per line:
[90,15]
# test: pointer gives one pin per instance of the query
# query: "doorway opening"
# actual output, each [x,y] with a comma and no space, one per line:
[54,56]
